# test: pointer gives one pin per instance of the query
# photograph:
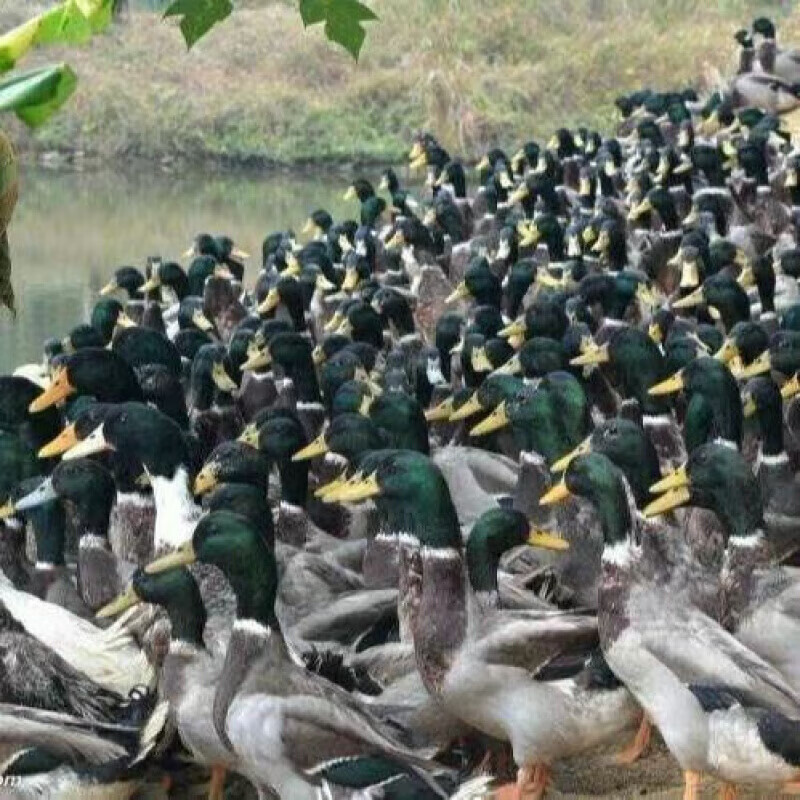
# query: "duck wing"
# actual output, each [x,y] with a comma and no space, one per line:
[697,649]
[60,734]
[535,642]
[346,618]
[108,657]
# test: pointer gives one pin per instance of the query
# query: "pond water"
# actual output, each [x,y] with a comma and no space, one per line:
[71,230]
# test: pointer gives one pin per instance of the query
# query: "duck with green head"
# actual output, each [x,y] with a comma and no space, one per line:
[763,400]
[100,373]
[160,446]
[260,678]
[637,364]
[88,489]
[705,691]
[480,284]
[194,661]
[723,295]
[494,533]
[456,646]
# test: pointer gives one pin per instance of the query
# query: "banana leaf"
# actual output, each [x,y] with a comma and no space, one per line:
[69,22]
[33,95]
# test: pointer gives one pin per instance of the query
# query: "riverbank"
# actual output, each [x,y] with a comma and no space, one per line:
[261,91]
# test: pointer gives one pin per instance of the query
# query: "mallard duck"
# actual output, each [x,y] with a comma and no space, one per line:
[192,666]
[161,447]
[638,364]
[265,679]
[454,652]
[774,60]
[90,491]
[715,408]
[712,691]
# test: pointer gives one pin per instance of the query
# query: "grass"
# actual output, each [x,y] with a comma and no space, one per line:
[260,90]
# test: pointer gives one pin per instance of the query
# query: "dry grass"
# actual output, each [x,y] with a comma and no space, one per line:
[260,89]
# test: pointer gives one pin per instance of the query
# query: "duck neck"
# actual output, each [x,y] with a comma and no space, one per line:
[771,424]
[304,378]
[433,585]
[614,511]
[435,580]
[187,618]
[93,515]
[294,482]
[48,530]
[176,512]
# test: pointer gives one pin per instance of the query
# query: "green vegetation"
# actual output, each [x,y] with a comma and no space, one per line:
[259,89]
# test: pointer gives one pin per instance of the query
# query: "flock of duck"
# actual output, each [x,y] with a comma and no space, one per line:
[461,479]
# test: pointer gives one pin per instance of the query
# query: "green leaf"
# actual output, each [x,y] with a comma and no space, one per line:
[69,22]
[199,16]
[35,94]
[342,20]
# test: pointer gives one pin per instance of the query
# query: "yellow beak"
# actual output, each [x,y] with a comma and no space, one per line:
[357,490]
[495,421]
[557,494]
[270,302]
[109,288]
[182,557]
[441,412]
[206,480]
[201,321]
[669,386]
[471,407]
[323,492]
[128,599]
[581,450]
[350,194]
[511,367]
[749,406]
[727,352]
[350,279]
[791,387]
[674,480]
[746,278]
[690,278]
[594,354]
[461,292]
[150,285]
[654,332]
[668,501]
[640,210]
[249,435]
[516,328]
[480,361]
[547,541]
[256,358]
[317,448]
[65,440]
[59,389]
[7,510]
[221,379]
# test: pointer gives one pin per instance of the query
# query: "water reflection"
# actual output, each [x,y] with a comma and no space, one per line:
[71,230]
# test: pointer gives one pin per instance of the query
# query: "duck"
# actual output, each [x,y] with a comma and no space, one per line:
[453,655]
[161,447]
[712,692]
[266,678]
[89,489]
[192,665]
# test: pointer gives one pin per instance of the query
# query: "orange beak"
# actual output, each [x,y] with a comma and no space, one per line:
[59,389]
[65,440]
